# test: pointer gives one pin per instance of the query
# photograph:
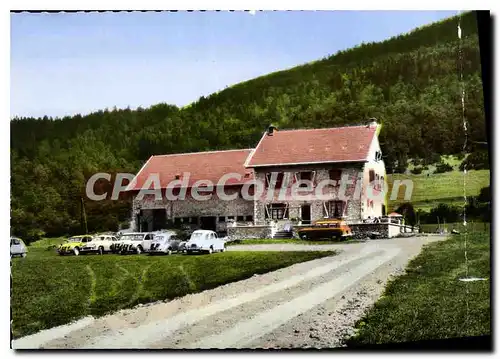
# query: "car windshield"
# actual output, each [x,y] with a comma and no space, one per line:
[196,235]
[132,237]
[14,241]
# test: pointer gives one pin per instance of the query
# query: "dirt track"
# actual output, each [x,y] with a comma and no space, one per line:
[311,304]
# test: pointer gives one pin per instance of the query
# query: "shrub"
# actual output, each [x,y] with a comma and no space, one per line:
[476,161]
[417,170]
[443,167]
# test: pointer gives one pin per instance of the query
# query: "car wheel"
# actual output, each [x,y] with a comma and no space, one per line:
[23,255]
[223,249]
[138,250]
[76,251]
[101,251]
[210,250]
[169,251]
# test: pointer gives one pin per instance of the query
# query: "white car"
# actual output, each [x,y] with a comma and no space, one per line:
[100,244]
[135,242]
[205,241]
[17,247]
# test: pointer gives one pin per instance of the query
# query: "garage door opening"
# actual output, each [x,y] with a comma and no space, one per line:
[208,223]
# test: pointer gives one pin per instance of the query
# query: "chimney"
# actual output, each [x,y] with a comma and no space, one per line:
[373,122]
[271,129]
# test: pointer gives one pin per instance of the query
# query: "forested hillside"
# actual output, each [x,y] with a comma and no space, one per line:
[410,83]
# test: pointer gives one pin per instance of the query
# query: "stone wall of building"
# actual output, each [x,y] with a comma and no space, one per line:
[249,232]
[189,209]
[353,210]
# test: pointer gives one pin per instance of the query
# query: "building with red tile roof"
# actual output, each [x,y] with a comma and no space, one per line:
[281,160]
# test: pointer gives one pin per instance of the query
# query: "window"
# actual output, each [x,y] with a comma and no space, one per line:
[335,175]
[249,218]
[277,211]
[239,218]
[222,219]
[177,220]
[371,176]
[305,176]
[194,219]
[230,217]
[278,181]
[335,209]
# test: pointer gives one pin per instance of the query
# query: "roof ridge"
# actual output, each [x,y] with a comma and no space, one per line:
[320,129]
[202,152]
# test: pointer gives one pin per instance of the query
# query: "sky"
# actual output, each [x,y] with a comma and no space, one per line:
[68,63]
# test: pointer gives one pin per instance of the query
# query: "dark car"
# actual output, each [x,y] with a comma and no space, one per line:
[165,243]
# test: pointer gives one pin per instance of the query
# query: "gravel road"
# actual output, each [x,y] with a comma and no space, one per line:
[311,304]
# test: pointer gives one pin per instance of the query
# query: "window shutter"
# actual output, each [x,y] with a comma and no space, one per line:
[344,208]
[325,209]
[313,178]
[268,179]
[266,207]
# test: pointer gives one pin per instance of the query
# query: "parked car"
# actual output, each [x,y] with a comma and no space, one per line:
[206,241]
[73,245]
[100,244]
[17,247]
[182,247]
[135,242]
[165,243]
[326,229]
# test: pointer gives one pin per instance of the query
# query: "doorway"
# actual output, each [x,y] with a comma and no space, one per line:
[305,211]
[159,219]
[208,223]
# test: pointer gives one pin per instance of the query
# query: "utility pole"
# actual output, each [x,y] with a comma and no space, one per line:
[83,221]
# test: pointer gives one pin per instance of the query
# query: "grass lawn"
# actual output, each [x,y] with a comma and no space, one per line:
[47,242]
[50,290]
[284,240]
[429,191]
[471,227]
[429,302]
